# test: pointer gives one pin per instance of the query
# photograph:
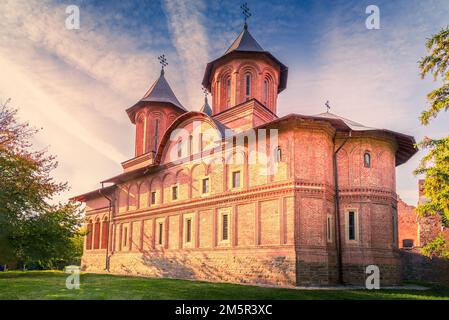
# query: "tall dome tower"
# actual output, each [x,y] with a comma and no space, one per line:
[245,82]
[153,114]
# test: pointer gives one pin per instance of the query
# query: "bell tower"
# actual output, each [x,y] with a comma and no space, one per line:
[152,115]
[245,77]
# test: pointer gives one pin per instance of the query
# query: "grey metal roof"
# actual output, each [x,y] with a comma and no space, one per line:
[206,108]
[354,126]
[245,43]
[160,91]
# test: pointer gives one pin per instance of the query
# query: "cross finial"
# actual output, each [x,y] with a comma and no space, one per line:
[246,13]
[206,93]
[327,105]
[163,62]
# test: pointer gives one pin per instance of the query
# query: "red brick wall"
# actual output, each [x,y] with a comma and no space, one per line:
[408,223]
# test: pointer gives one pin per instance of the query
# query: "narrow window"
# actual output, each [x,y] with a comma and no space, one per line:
[265,92]
[228,91]
[395,227]
[367,160]
[248,85]
[153,197]
[236,179]
[351,225]
[161,230]
[225,227]
[201,142]
[125,236]
[205,186]
[179,146]
[188,230]
[156,130]
[174,192]
[329,228]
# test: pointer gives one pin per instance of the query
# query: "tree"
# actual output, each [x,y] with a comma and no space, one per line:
[435,164]
[32,229]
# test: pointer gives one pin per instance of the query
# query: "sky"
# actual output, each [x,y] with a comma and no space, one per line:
[77,84]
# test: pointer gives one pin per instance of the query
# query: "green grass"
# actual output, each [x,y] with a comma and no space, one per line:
[51,285]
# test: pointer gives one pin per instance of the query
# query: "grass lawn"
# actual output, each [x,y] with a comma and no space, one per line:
[51,285]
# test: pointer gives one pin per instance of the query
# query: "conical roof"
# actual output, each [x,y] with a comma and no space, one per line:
[160,91]
[245,43]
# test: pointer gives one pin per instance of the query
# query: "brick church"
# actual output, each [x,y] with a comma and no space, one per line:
[314,205]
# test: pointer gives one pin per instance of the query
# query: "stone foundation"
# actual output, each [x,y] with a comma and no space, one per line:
[355,274]
[261,267]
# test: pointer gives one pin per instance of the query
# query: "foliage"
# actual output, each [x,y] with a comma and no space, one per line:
[438,247]
[32,229]
[436,63]
[435,165]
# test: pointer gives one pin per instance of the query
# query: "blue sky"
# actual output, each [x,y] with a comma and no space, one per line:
[76,84]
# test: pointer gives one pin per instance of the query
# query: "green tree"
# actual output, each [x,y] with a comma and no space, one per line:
[435,164]
[32,229]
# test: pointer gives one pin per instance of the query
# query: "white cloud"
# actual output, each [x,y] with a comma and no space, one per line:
[191,43]
[76,84]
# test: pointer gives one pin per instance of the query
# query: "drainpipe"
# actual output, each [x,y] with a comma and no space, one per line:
[337,209]
[109,227]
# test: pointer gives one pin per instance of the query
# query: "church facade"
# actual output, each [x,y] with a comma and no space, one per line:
[235,193]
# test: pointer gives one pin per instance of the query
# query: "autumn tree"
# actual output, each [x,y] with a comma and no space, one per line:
[435,164]
[32,228]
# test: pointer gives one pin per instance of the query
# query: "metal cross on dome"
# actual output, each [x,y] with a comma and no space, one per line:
[327,105]
[245,11]
[162,61]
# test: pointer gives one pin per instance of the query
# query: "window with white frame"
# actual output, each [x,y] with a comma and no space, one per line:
[236,179]
[225,227]
[205,185]
[153,197]
[174,193]
[367,159]
[189,230]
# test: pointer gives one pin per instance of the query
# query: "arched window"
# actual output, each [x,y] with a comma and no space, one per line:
[265,92]
[156,134]
[247,85]
[367,160]
[228,92]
